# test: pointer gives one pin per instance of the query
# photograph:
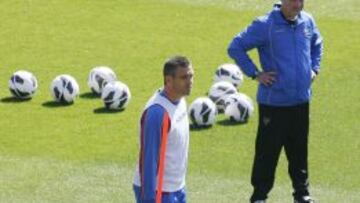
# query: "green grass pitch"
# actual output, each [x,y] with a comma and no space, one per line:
[79,153]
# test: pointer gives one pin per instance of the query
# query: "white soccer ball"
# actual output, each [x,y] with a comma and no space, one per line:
[99,77]
[64,88]
[23,84]
[239,107]
[203,112]
[116,95]
[230,73]
[219,92]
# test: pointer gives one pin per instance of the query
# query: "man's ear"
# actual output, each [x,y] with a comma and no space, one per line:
[168,79]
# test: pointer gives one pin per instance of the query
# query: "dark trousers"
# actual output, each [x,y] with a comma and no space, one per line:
[279,127]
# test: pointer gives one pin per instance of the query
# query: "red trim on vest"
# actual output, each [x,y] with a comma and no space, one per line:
[164,136]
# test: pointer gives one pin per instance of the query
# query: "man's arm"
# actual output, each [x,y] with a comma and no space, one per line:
[151,129]
[253,36]
[316,49]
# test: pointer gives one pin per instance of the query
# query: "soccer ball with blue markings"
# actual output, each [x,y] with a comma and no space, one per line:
[203,112]
[64,88]
[99,77]
[239,107]
[230,73]
[23,84]
[116,95]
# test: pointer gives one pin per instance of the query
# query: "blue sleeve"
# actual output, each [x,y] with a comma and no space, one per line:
[152,127]
[253,36]
[316,48]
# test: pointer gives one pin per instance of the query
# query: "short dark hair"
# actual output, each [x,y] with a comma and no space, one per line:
[173,63]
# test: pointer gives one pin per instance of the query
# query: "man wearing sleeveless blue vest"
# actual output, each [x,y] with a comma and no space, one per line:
[164,138]
[290,50]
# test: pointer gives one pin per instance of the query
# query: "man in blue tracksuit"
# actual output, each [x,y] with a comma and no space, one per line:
[290,49]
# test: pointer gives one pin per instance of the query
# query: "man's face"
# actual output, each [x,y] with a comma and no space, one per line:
[292,7]
[182,82]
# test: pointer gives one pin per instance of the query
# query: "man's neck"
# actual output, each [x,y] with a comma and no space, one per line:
[290,20]
[171,96]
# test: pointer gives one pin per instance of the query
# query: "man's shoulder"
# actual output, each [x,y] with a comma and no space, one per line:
[267,18]
[260,23]
[154,114]
[263,19]
[155,109]
[307,16]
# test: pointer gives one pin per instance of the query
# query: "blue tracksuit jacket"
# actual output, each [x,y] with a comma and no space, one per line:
[292,50]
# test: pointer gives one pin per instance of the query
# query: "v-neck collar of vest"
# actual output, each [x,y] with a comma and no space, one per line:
[163,94]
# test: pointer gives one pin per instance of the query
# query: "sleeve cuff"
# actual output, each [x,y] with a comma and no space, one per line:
[255,74]
[316,71]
